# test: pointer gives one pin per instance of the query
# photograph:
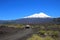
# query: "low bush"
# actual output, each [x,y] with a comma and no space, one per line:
[36,37]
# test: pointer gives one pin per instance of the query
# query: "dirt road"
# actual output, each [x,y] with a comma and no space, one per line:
[18,35]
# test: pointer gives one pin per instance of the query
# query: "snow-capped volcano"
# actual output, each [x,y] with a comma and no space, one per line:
[38,15]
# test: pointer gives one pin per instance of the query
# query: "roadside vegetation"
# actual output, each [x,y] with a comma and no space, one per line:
[46,32]
[40,32]
[37,37]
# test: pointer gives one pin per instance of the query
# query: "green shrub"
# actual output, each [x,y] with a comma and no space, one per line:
[35,37]
[55,33]
[48,38]
[42,32]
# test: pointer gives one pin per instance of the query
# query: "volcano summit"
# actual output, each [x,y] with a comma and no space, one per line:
[38,15]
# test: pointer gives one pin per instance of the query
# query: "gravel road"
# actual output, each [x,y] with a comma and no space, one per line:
[18,35]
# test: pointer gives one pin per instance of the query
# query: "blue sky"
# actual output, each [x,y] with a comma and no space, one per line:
[15,9]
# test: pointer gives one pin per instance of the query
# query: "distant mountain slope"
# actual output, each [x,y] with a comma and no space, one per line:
[34,20]
[2,21]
